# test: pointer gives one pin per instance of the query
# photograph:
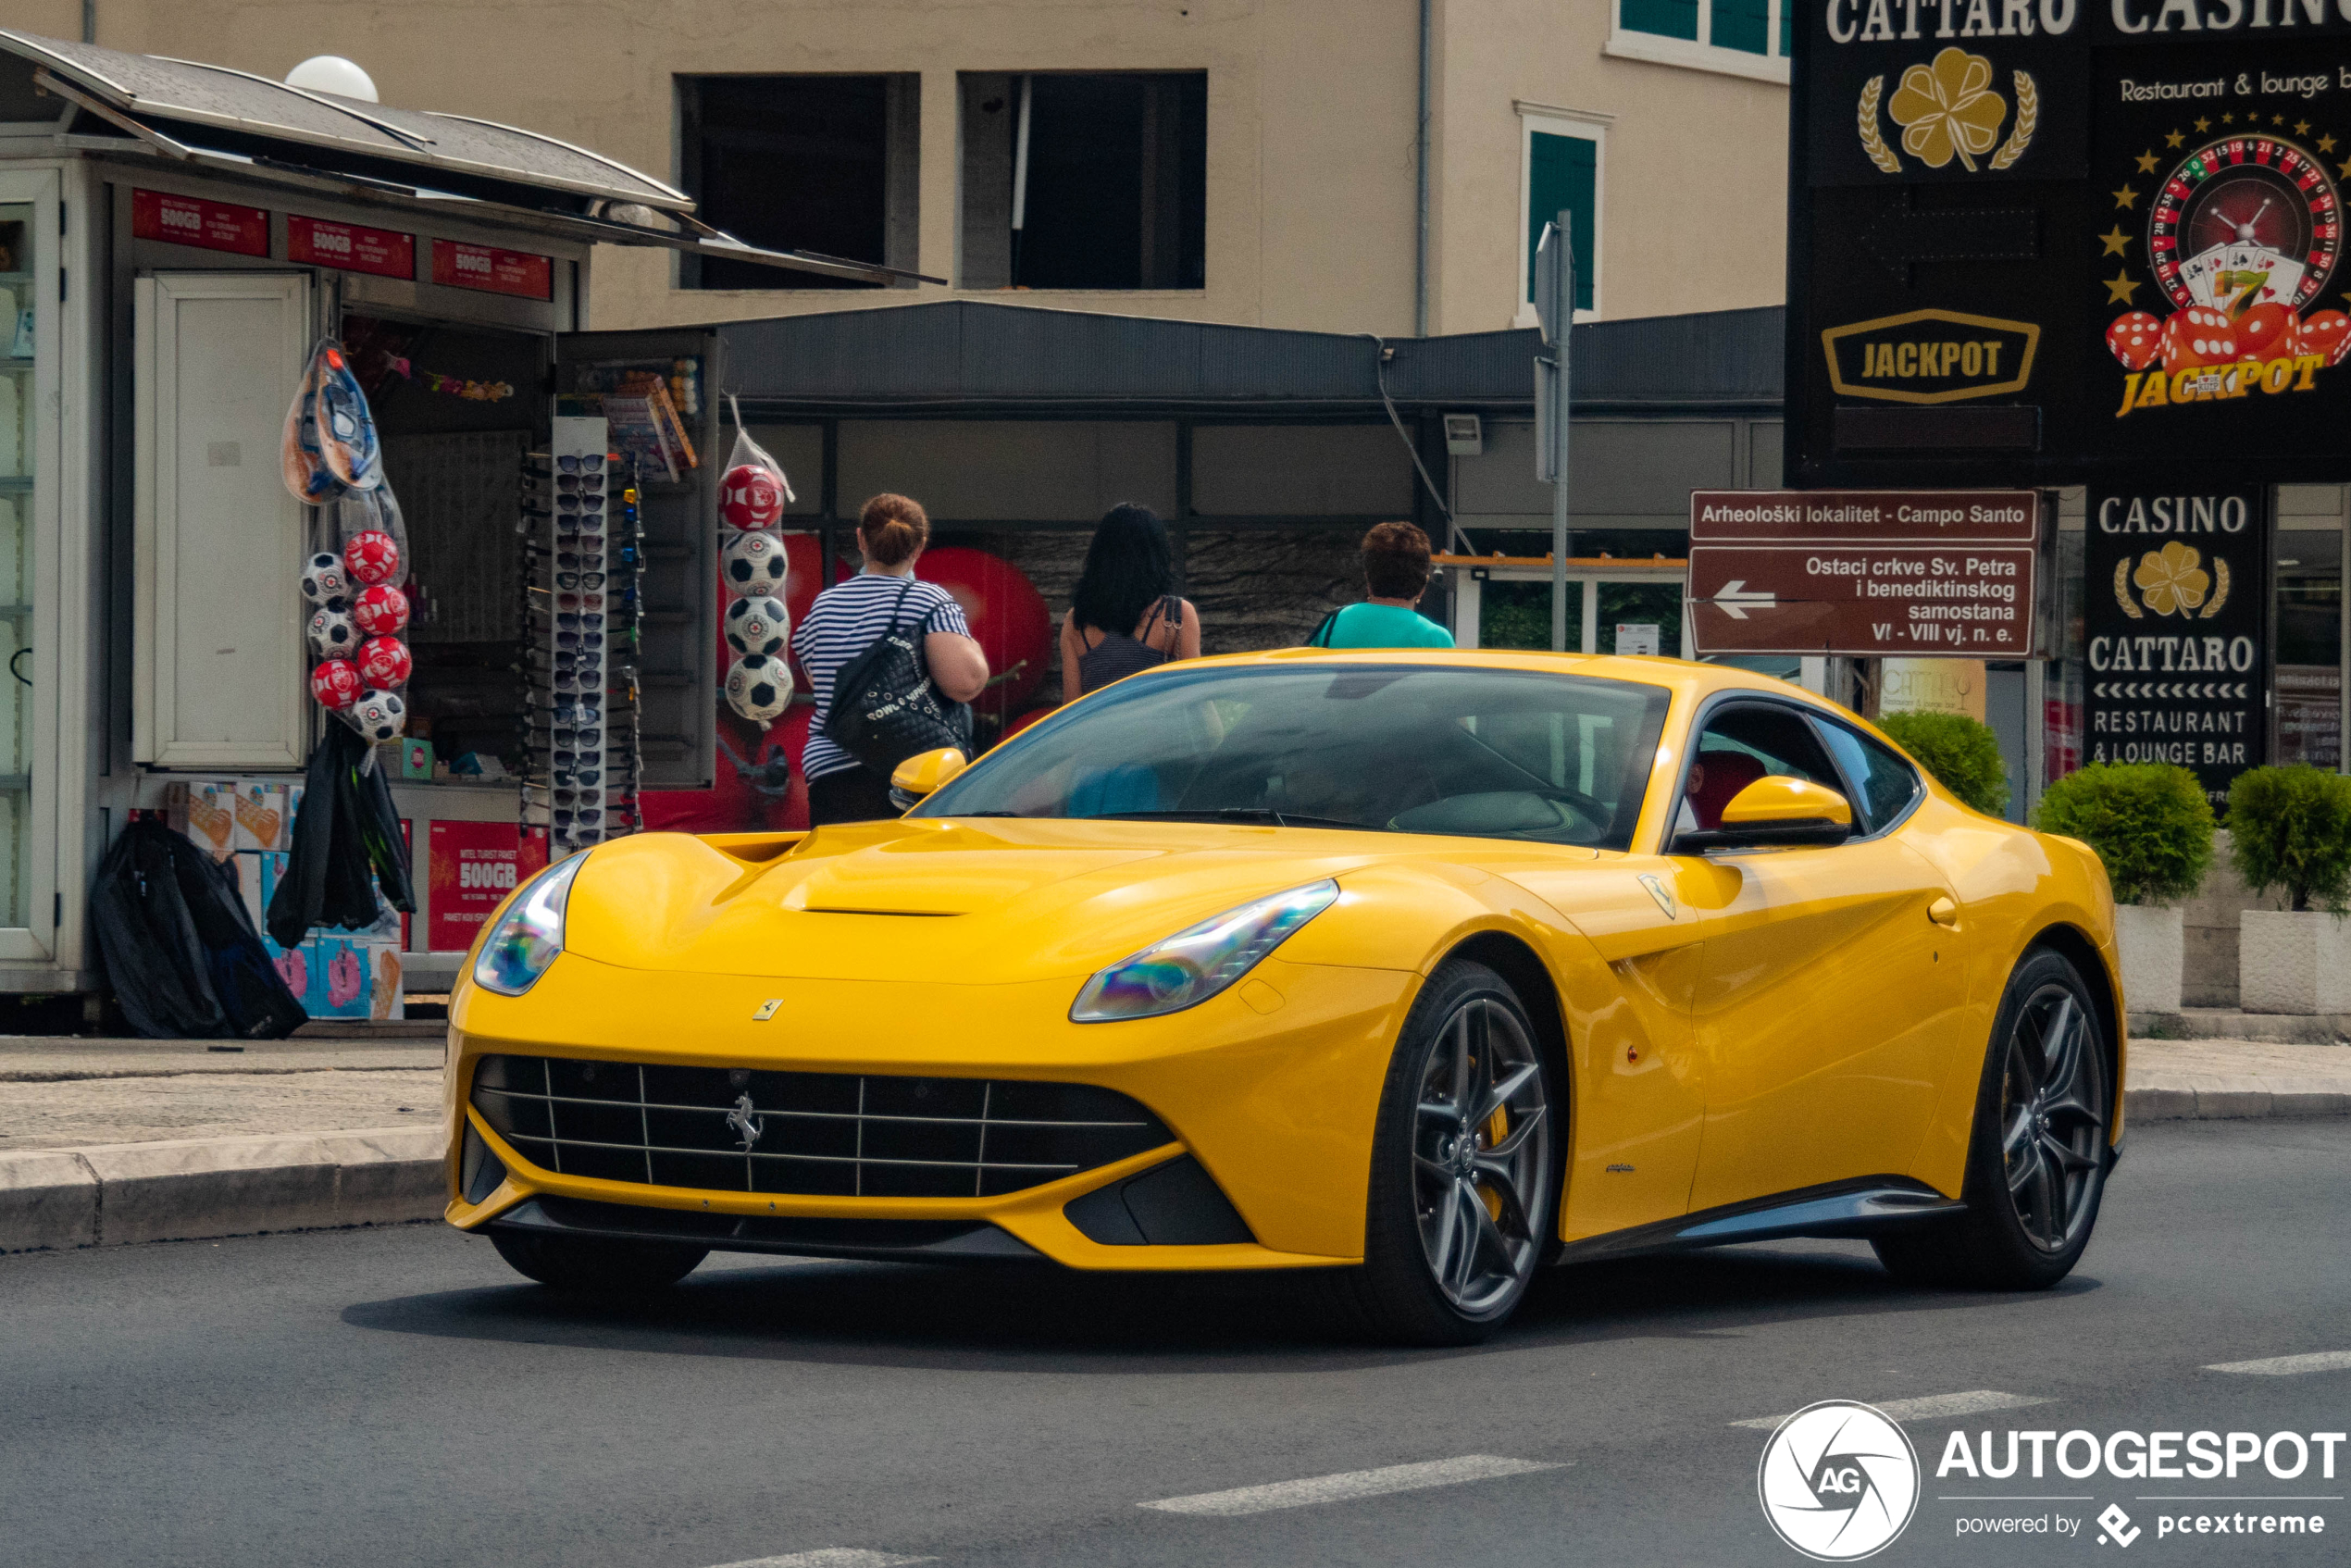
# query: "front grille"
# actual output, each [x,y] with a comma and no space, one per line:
[835,1134]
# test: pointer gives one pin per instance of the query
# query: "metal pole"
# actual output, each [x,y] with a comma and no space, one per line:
[1562,311]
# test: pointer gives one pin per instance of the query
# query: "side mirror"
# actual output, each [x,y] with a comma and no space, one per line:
[925,773]
[1773,811]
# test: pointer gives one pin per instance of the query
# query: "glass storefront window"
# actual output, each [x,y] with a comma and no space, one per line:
[2309,634]
[18,424]
[1513,613]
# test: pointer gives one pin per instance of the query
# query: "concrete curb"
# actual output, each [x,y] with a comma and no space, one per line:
[2266,1028]
[111,1194]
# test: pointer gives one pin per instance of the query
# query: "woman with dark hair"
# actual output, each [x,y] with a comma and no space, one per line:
[1126,615]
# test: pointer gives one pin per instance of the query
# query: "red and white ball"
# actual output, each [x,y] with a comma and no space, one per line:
[750,497]
[372,556]
[383,661]
[380,611]
[335,684]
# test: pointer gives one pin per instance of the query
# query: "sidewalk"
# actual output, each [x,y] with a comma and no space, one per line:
[104,1141]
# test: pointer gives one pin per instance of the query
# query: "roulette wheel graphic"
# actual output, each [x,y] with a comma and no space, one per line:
[2244,222]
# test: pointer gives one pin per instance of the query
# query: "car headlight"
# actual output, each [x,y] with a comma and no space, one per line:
[1195,964]
[527,938]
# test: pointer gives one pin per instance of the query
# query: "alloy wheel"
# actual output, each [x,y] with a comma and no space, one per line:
[1481,1146]
[2052,1118]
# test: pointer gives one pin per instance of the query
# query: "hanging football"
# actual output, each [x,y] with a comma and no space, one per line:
[383,661]
[378,716]
[323,580]
[380,611]
[331,634]
[749,497]
[370,556]
[756,562]
[335,684]
[759,688]
[757,625]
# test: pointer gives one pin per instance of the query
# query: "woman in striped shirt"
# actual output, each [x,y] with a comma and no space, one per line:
[849,618]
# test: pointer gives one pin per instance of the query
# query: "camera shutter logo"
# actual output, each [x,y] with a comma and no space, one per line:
[1838,1481]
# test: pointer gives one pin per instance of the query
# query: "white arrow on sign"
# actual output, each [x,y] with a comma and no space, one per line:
[1737,598]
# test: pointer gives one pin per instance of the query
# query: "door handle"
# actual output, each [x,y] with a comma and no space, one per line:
[1943,912]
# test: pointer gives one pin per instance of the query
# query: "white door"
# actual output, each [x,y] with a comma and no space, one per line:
[218,675]
[30,644]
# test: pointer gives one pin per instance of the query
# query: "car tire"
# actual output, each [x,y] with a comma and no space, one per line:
[597,1266]
[2037,1150]
[1443,1177]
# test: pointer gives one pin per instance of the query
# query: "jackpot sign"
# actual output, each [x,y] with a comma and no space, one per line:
[2033,239]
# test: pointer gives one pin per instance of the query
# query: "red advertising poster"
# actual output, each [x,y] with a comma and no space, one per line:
[384,252]
[191,220]
[494,271]
[471,867]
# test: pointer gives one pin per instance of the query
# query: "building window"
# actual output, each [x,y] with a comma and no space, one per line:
[1091,181]
[1740,37]
[807,163]
[1559,169]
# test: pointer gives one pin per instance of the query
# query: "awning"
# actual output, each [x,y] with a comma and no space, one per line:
[187,112]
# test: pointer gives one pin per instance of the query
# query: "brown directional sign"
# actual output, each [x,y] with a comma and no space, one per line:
[1866,573]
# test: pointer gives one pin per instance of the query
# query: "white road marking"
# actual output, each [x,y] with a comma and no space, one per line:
[1349,1485]
[2286,1366]
[1933,1407]
[831,1556]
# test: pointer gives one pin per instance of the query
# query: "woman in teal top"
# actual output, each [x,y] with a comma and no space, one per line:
[1396,570]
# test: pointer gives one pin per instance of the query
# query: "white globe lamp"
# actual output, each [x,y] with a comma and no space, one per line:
[333,73]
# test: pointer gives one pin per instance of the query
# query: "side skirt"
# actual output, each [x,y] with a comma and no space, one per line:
[1868,1206]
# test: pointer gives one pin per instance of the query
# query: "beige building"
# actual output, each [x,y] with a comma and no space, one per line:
[1250,161]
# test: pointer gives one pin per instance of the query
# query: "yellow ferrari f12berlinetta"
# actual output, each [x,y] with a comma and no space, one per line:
[1420,968]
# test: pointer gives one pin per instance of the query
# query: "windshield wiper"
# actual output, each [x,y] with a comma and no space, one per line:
[1239,814]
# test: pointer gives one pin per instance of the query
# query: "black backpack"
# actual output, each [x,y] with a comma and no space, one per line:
[885,708]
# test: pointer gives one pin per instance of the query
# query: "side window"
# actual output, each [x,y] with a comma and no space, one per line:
[1886,783]
[1742,744]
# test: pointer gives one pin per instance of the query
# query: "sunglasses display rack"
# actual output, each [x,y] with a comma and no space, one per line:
[624,722]
[568,507]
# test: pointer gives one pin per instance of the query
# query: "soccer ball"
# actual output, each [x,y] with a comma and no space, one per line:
[335,684]
[759,688]
[331,634]
[749,497]
[378,716]
[383,661]
[371,557]
[380,611]
[754,564]
[757,625]
[323,580]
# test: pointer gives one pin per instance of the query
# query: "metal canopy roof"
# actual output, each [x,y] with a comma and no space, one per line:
[237,122]
[972,354]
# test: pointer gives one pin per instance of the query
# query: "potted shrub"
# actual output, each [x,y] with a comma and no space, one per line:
[2152,828]
[1963,753]
[2290,828]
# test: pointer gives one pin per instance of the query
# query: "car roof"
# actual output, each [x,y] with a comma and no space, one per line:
[1685,677]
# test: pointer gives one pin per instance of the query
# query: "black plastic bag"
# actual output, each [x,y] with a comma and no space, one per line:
[346,843]
[180,948]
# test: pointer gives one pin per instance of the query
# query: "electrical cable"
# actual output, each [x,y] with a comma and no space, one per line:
[1455,538]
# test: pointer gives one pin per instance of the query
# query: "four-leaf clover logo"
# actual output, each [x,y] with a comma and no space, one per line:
[1949,110]
[2172,582]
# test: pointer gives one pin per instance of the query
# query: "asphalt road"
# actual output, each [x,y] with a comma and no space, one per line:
[396,1397]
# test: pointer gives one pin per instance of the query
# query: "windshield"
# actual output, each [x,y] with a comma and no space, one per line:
[1408,749]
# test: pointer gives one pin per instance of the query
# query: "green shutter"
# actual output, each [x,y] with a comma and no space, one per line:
[1667,19]
[1787,27]
[1561,173]
[1744,25]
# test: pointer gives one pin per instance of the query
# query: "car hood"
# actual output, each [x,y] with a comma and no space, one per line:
[955,900]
